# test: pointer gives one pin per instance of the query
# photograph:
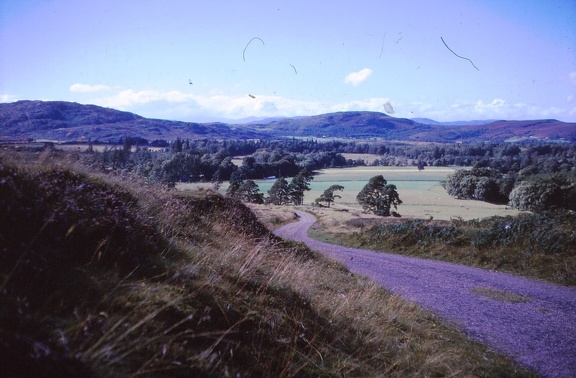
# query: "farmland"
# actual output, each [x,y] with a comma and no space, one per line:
[421,192]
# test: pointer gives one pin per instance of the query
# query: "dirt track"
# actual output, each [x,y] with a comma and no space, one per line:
[532,321]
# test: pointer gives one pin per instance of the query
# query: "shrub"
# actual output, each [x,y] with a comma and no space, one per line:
[483,184]
[544,192]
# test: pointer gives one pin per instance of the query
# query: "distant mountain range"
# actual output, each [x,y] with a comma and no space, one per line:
[68,121]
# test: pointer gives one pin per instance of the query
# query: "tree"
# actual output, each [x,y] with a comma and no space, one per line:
[421,165]
[378,196]
[127,146]
[545,192]
[328,196]
[279,193]
[177,145]
[483,184]
[298,185]
[236,179]
[249,192]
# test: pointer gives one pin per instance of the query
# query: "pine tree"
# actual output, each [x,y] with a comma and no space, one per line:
[279,193]
[328,196]
[298,185]
[249,192]
[236,179]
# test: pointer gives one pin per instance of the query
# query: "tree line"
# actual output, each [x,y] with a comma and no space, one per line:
[536,192]
[531,176]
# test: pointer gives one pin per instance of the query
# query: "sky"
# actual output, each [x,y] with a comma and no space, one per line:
[199,61]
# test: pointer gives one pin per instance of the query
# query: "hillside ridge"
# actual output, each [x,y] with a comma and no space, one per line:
[72,122]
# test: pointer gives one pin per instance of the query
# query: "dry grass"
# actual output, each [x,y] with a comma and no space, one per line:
[207,291]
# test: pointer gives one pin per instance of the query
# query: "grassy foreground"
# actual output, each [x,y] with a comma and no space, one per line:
[101,276]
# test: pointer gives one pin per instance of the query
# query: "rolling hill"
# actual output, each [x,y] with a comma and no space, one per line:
[378,125]
[68,121]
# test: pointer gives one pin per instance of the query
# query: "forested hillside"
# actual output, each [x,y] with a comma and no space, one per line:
[67,121]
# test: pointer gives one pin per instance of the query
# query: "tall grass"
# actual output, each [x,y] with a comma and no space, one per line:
[106,276]
[536,245]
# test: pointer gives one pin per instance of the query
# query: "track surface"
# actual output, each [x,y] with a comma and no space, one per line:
[535,323]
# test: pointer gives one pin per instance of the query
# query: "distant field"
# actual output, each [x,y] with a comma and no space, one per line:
[420,191]
[368,158]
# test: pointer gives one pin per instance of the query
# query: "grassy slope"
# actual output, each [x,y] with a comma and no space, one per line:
[112,278]
[541,246]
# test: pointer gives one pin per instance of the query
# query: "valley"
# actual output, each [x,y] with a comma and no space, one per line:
[165,248]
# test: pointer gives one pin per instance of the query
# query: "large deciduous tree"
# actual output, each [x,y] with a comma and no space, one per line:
[483,184]
[378,196]
[545,192]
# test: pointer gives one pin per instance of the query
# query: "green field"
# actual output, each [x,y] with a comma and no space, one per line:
[421,191]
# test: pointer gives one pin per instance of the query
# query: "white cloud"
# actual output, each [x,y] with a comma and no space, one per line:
[493,107]
[87,88]
[572,77]
[496,109]
[183,106]
[8,98]
[375,104]
[356,78]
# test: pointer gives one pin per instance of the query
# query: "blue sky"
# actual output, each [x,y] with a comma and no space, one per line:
[311,57]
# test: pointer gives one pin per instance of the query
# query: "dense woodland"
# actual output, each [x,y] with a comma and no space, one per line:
[529,176]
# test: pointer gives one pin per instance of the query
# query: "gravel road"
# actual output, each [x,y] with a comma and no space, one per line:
[534,321]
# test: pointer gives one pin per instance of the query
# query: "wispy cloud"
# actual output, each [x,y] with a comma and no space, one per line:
[129,98]
[88,88]
[497,108]
[572,77]
[191,106]
[356,78]
[184,106]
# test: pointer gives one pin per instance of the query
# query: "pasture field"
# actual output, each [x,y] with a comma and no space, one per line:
[421,192]
[368,158]
[100,147]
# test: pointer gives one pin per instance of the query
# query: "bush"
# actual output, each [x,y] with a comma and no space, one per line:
[55,219]
[483,184]
[545,192]
[540,245]
[550,234]
[410,233]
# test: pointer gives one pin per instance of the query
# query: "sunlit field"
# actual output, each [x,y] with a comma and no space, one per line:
[421,191]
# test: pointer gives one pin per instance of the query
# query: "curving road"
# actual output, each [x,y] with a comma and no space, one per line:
[535,323]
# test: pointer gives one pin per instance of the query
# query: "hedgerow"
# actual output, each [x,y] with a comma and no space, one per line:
[542,245]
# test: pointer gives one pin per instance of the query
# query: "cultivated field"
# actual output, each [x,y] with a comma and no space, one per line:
[421,192]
